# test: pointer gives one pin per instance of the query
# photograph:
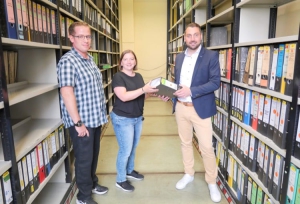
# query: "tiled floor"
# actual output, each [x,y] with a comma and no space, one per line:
[159,158]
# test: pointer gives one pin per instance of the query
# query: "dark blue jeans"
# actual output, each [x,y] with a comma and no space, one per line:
[86,151]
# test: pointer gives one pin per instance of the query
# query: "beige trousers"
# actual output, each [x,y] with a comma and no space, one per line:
[187,119]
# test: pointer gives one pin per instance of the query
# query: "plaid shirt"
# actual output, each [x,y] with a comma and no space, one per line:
[86,79]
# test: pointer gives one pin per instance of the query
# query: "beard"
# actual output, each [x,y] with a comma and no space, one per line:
[194,46]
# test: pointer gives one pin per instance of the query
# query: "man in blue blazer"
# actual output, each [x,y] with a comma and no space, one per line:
[197,71]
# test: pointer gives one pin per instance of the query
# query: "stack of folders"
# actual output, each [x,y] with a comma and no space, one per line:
[267,66]
[34,167]
[164,86]
[36,23]
[5,189]
[265,114]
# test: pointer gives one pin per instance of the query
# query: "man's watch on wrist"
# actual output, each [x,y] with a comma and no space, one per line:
[78,124]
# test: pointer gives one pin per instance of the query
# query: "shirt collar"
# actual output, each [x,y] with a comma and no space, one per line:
[197,51]
[79,55]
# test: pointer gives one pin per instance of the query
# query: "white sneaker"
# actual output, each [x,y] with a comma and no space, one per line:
[214,193]
[184,181]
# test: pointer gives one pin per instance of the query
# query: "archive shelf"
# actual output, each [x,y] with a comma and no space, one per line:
[29,106]
[248,23]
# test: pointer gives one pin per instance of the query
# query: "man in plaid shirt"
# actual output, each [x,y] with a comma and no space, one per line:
[83,109]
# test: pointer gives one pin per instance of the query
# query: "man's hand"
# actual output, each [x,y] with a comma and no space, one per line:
[82,131]
[183,92]
[164,98]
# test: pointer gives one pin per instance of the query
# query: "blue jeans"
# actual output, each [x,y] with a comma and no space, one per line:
[128,133]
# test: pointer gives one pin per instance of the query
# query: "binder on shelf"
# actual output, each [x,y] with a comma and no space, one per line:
[62,21]
[35,169]
[62,140]
[230,146]
[252,68]
[266,116]
[31,22]
[253,149]
[261,157]
[6,185]
[277,177]
[277,120]
[247,109]
[243,186]
[8,22]
[279,69]
[261,106]
[260,55]
[53,27]
[292,185]
[30,174]
[249,190]
[297,198]
[266,166]
[239,180]
[273,67]
[1,193]
[35,22]
[238,143]
[230,171]
[51,149]
[25,20]
[164,86]
[46,157]
[243,54]
[235,175]
[271,170]
[18,17]
[280,137]
[235,137]
[284,68]
[246,144]
[260,196]
[254,110]
[253,192]
[25,174]
[228,63]
[49,33]
[40,162]
[266,66]
[23,193]
[289,80]
[44,23]
[57,144]
[273,113]
[247,68]
[297,141]
[40,23]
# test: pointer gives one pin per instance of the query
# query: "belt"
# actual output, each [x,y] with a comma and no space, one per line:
[185,103]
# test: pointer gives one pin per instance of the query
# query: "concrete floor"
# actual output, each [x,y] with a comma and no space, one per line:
[159,158]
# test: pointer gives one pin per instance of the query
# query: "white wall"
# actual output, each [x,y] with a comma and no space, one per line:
[143,25]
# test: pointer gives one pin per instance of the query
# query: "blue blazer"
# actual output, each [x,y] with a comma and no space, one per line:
[206,79]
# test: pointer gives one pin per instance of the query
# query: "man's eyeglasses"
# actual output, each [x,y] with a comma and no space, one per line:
[82,37]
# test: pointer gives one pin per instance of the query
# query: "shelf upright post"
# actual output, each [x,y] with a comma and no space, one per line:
[209,15]
[168,36]
[7,133]
[293,122]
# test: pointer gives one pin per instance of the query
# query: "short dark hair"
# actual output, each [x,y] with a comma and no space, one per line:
[76,24]
[193,25]
[122,56]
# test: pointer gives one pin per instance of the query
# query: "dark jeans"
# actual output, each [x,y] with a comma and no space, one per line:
[86,150]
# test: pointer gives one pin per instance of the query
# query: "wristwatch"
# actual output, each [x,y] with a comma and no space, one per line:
[78,124]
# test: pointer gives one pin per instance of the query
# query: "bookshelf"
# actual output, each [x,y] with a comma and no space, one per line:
[29,100]
[243,24]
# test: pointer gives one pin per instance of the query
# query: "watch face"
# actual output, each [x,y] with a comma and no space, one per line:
[78,124]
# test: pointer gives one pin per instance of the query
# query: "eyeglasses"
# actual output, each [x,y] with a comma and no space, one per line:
[82,37]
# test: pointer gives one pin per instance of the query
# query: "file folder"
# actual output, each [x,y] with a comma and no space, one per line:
[254,192]
[247,111]
[235,175]
[18,17]
[1,193]
[44,23]
[40,162]
[279,67]
[63,29]
[249,190]
[271,170]
[280,139]
[289,80]
[266,66]
[252,68]
[273,67]
[49,33]
[230,146]
[8,22]
[26,181]
[246,145]
[261,161]
[164,86]
[273,114]
[253,149]
[292,185]
[40,23]
[297,198]
[284,68]
[277,121]
[20,170]
[260,196]
[254,110]
[266,166]
[6,185]
[25,19]
[46,157]
[260,55]
[35,170]
[261,106]
[266,116]
[31,23]
[277,177]
[35,22]
[53,27]
[297,142]
[30,174]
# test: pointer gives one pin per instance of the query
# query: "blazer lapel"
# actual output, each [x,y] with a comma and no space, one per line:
[198,62]
[180,66]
